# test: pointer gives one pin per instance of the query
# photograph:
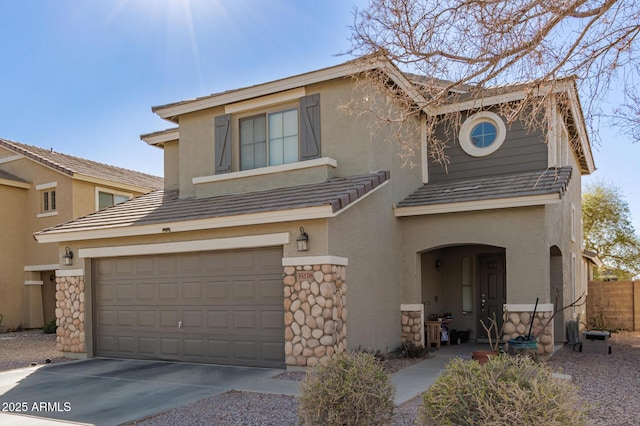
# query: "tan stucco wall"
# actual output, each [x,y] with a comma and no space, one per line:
[171,165]
[559,233]
[353,141]
[368,235]
[74,198]
[13,250]
[518,230]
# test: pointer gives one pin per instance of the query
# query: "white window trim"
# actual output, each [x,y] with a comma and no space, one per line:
[261,171]
[42,188]
[47,214]
[48,185]
[108,191]
[471,122]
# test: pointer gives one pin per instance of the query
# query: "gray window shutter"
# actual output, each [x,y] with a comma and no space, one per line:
[310,127]
[223,143]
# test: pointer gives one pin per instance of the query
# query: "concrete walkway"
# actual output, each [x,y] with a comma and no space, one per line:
[102,391]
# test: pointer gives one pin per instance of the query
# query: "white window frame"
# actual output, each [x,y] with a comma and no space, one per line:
[482,117]
[266,114]
[98,190]
[50,207]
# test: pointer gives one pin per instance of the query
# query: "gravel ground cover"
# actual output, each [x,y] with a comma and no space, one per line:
[610,383]
[22,349]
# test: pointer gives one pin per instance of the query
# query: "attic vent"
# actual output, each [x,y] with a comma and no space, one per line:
[462,188]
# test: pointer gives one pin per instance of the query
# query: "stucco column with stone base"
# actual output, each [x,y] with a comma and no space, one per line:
[315,310]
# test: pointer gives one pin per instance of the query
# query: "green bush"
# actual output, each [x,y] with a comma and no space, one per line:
[50,327]
[506,390]
[352,389]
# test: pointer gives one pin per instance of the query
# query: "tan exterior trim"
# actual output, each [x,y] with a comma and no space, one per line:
[158,139]
[325,161]
[48,185]
[534,200]
[70,273]
[173,110]
[320,212]
[517,307]
[276,98]
[305,213]
[15,184]
[31,282]
[98,181]
[38,268]
[411,307]
[232,243]
[482,102]
[48,214]
[315,260]
[11,158]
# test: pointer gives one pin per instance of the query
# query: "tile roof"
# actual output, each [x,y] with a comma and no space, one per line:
[540,182]
[71,165]
[165,206]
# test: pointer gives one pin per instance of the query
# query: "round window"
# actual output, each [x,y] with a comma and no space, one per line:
[482,134]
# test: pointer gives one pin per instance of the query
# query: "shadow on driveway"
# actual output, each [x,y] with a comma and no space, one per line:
[103,391]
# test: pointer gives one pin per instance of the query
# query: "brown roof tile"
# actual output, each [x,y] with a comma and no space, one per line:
[166,207]
[71,165]
[538,182]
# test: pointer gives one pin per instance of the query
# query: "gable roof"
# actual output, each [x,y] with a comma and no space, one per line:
[483,193]
[410,84]
[79,167]
[163,211]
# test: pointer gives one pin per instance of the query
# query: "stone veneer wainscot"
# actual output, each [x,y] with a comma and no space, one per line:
[315,313]
[70,314]
[518,321]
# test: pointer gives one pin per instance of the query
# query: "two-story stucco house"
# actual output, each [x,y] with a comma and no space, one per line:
[289,230]
[40,188]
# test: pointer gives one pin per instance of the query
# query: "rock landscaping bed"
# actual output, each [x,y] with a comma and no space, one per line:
[25,348]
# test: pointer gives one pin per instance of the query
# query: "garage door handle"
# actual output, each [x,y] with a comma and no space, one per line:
[179,324]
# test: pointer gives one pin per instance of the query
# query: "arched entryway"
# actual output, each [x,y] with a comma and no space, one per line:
[467,282]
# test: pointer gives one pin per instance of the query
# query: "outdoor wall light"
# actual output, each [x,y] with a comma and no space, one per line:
[67,257]
[303,240]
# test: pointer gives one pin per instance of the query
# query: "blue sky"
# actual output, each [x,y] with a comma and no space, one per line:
[81,76]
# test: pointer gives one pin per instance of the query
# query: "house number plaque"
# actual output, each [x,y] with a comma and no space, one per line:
[304,275]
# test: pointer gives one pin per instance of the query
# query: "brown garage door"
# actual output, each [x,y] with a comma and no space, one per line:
[213,307]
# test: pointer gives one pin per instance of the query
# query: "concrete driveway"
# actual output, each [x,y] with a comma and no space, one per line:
[102,391]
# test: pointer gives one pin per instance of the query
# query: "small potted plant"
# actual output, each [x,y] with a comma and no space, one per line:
[482,356]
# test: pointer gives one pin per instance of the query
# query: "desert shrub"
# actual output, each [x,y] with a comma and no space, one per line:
[50,327]
[411,350]
[351,389]
[378,353]
[506,390]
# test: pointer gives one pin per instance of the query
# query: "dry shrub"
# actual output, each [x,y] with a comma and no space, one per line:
[352,389]
[507,390]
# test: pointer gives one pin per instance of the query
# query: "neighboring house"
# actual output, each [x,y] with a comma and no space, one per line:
[282,213]
[40,188]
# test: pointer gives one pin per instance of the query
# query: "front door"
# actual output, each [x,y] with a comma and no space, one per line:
[492,292]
